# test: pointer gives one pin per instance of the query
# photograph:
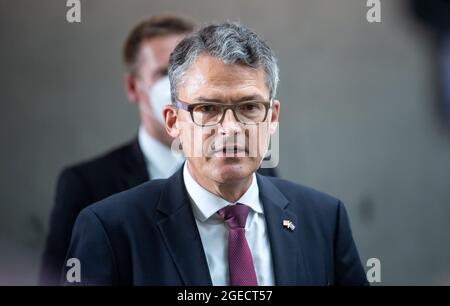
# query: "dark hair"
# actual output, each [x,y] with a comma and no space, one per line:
[149,28]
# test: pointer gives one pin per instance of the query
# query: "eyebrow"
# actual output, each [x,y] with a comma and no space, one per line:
[241,99]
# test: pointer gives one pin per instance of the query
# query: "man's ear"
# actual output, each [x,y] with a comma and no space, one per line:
[275,114]
[170,116]
[131,88]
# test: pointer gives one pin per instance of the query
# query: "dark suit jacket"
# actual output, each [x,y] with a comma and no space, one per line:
[86,183]
[148,236]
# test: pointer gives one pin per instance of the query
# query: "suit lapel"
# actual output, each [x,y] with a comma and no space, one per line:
[285,244]
[180,234]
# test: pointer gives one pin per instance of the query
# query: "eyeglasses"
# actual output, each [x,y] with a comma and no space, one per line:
[212,113]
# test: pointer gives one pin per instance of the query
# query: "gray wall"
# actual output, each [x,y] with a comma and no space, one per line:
[359,118]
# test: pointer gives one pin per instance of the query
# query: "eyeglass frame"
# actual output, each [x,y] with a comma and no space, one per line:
[189,108]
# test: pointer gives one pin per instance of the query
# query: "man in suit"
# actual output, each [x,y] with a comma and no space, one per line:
[146,58]
[217,221]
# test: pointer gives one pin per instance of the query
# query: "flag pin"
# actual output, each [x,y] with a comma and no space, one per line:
[288,224]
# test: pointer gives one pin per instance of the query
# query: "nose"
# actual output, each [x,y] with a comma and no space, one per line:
[229,125]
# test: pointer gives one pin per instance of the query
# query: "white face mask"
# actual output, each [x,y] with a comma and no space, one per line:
[159,95]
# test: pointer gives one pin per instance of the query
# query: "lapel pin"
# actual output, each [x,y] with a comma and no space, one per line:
[288,224]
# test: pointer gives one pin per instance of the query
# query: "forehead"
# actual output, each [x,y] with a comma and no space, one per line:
[211,78]
[156,51]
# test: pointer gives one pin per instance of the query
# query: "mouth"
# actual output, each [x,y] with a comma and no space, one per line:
[228,150]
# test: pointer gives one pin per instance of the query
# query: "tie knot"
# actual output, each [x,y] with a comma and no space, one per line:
[235,215]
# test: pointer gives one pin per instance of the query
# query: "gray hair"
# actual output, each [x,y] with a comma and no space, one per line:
[232,43]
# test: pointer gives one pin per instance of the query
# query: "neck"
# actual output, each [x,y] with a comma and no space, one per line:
[230,191]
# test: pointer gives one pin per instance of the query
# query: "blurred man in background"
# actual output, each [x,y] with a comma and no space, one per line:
[146,56]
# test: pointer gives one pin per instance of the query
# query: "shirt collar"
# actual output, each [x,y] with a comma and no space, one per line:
[158,157]
[206,204]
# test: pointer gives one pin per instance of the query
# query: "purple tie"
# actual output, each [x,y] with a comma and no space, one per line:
[240,261]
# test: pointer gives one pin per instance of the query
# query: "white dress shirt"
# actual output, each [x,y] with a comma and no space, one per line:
[214,232]
[161,162]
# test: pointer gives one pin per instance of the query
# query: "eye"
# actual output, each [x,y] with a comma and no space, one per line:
[248,107]
[160,73]
[208,108]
